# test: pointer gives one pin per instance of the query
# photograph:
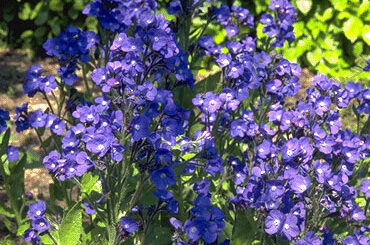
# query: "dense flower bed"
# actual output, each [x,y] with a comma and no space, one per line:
[156,157]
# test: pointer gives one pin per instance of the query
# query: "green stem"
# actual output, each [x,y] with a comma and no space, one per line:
[48,101]
[52,238]
[85,80]
[41,141]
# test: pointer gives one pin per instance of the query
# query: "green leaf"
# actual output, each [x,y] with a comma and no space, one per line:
[7,241]
[88,181]
[304,6]
[331,56]
[42,17]
[25,12]
[298,28]
[5,142]
[36,10]
[352,28]
[364,7]
[244,231]
[22,228]
[40,32]
[4,210]
[56,5]
[26,34]
[71,228]
[357,49]
[366,34]
[314,57]
[79,5]
[339,5]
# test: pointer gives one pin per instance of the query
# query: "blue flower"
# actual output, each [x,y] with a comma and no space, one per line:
[163,177]
[140,127]
[174,7]
[12,153]
[128,224]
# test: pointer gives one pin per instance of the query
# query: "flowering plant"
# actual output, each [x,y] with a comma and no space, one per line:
[147,154]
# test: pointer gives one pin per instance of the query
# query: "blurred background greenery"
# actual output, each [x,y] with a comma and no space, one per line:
[332,36]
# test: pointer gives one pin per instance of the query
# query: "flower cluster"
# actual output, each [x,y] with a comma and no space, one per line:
[37,120]
[280,28]
[71,46]
[239,147]
[232,18]
[36,213]
[36,82]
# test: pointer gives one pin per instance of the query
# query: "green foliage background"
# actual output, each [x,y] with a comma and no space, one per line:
[28,23]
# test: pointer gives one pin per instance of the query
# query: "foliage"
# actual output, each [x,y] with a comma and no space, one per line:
[145,153]
[27,24]
[332,37]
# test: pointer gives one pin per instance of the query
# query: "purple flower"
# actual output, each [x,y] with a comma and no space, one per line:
[322,105]
[89,208]
[290,149]
[365,187]
[290,228]
[99,144]
[350,240]
[36,210]
[128,224]
[12,153]
[30,235]
[58,127]
[51,161]
[174,7]
[48,84]
[367,68]
[163,195]
[140,127]
[274,189]
[274,222]
[163,177]
[201,228]
[353,89]
[37,119]
[84,163]
[40,224]
[358,214]
[300,184]
[173,207]
[309,239]
[238,128]
[222,14]
[224,60]
[232,30]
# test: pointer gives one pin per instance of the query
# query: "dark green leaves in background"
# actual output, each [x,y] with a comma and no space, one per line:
[27,24]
